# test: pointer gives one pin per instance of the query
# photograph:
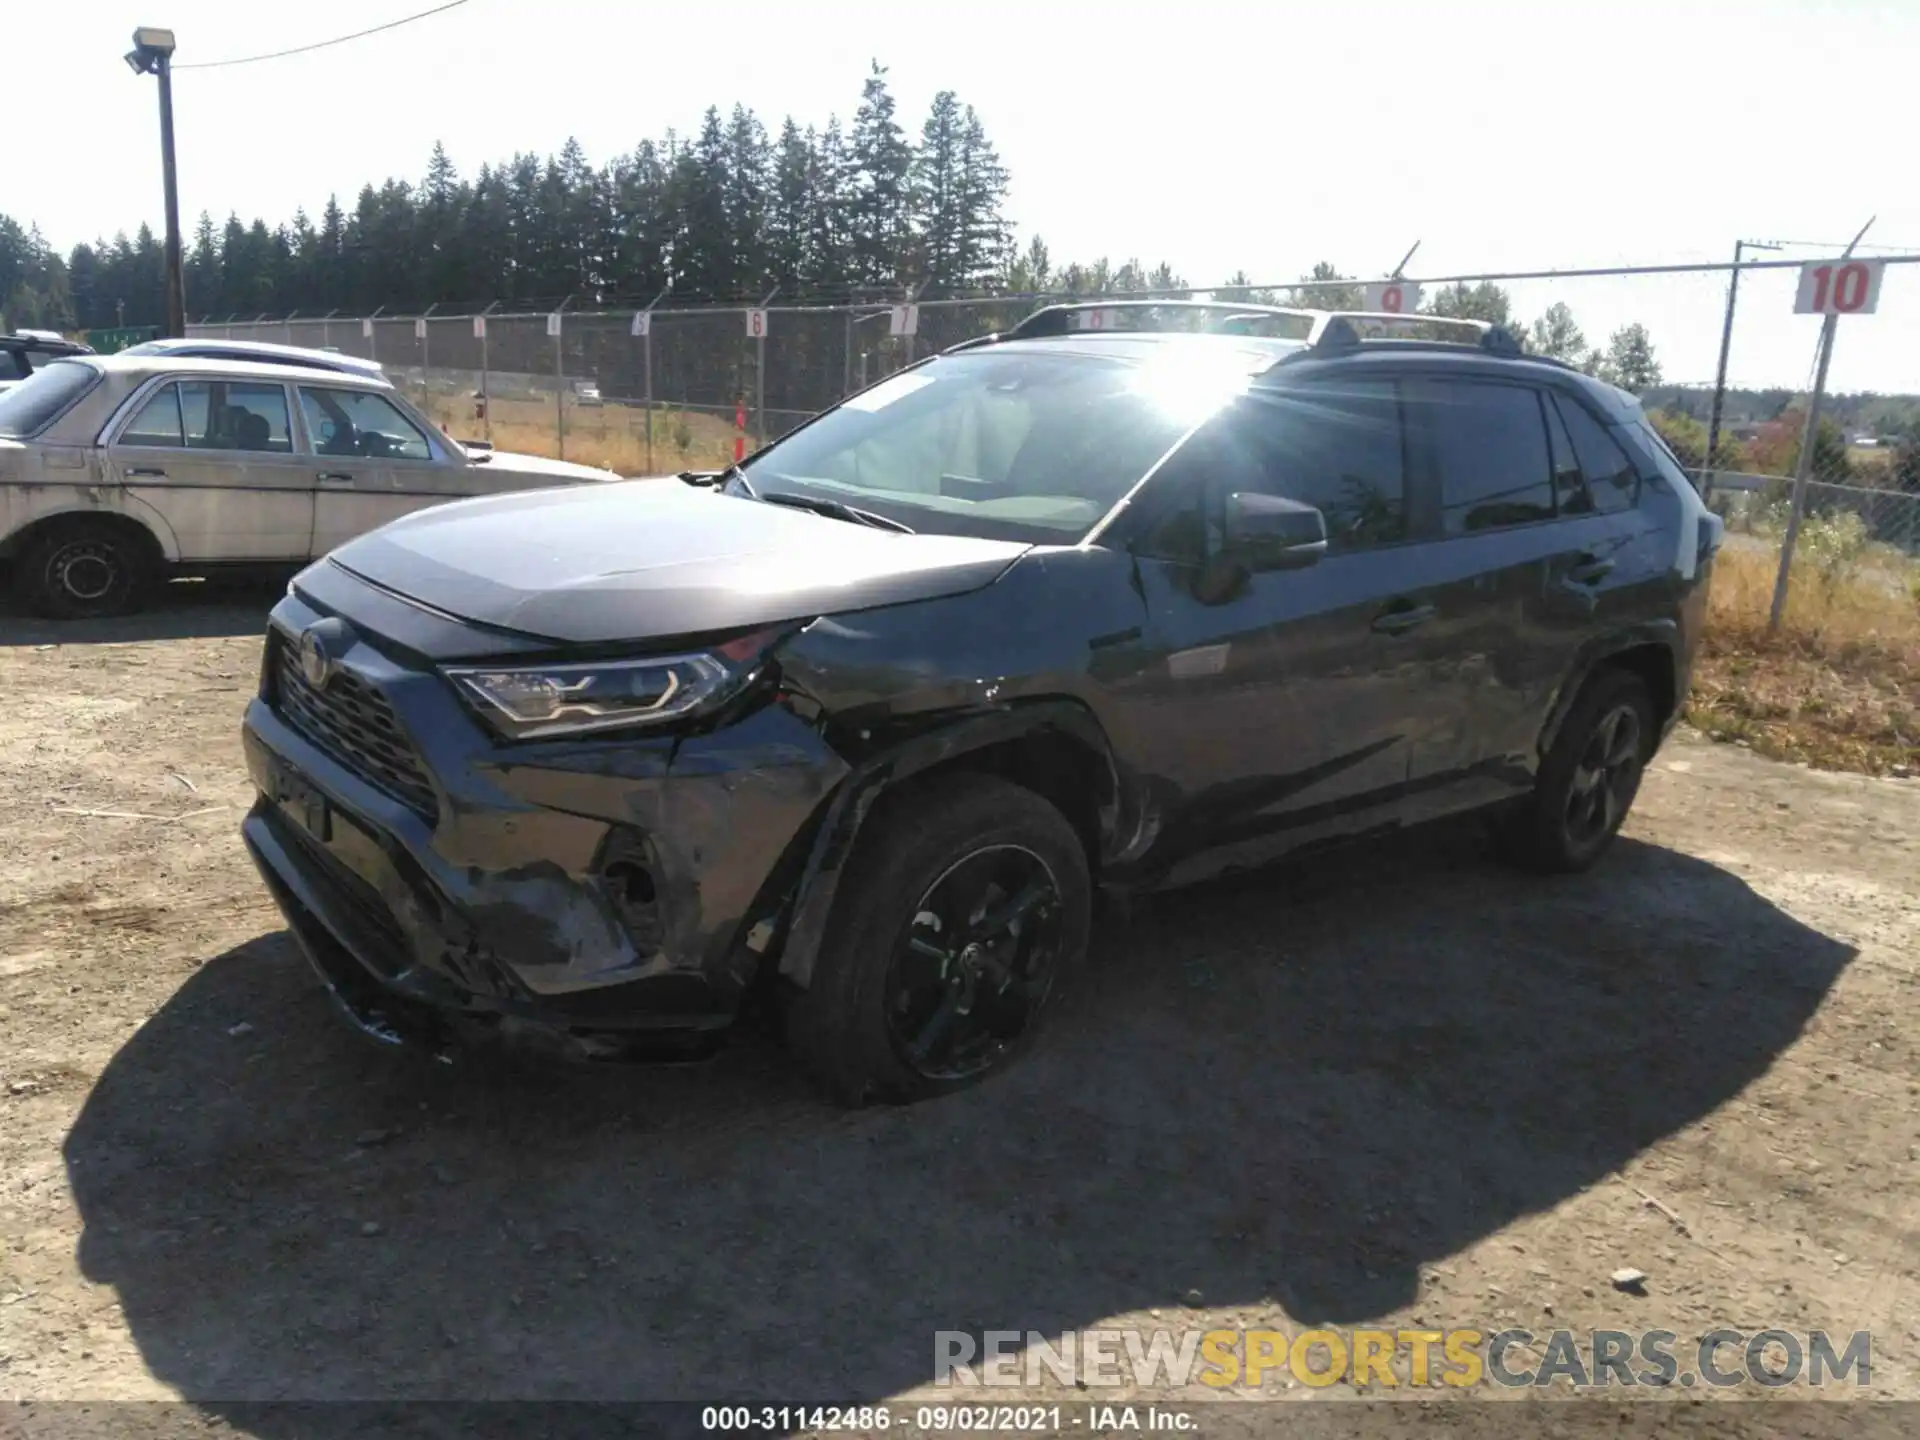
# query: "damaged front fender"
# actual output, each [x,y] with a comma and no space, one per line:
[952,743]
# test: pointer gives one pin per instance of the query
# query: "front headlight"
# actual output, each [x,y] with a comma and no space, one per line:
[527,702]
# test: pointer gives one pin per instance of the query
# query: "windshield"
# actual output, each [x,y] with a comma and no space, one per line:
[1014,445]
[40,399]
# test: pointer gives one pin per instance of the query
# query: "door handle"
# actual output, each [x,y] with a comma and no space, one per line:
[335,477]
[1587,569]
[1402,616]
[147,470]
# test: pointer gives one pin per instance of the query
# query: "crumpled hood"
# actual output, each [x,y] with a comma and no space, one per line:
[540,465]
[648,559]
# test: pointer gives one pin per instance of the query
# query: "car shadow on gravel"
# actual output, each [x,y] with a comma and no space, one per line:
[191,609]
[1301,1084]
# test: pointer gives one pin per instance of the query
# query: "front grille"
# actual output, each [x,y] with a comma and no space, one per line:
[377,939]
[353,723]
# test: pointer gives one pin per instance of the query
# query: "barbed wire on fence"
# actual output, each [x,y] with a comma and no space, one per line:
[651,387]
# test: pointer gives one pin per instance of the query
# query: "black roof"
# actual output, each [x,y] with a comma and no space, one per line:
[1337,340]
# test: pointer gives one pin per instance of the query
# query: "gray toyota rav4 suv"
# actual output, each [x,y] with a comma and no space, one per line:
[859,726]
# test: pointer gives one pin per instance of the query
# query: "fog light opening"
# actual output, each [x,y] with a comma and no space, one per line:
[630,885]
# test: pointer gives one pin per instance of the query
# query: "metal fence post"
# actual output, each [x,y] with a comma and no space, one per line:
[1828,328]
[760,382]
[1708,468]
[486,377]
[560,377]
[1720,377]
[646,367]
[426,351]
[1801,471]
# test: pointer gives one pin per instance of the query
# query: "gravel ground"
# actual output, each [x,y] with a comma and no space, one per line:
[1399,1086]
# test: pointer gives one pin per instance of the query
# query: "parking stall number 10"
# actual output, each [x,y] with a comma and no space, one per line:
[1846,287]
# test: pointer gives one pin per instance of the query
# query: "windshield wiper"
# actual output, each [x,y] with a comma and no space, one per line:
[836,509]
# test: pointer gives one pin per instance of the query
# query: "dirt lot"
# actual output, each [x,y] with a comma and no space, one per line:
[1402,1086]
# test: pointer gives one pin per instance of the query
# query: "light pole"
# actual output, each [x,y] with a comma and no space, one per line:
[1720,377]
[153,52]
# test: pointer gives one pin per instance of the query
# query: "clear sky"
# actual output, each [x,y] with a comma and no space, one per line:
[1262,135]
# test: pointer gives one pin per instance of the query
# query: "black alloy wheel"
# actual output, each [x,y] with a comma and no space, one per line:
[975,963]
[1606,777]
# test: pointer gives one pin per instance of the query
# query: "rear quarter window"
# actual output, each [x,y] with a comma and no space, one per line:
[1664,460]
[43,397]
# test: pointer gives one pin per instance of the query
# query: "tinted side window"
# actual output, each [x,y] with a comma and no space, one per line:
[1337,446]
[1569,485]
[158,422]
[1609,472]
[235,415]
[14,365]
[357,422]
[1490,444]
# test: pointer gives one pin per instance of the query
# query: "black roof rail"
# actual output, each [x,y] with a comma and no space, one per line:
[1339,335]
[1329,331]
[1052,320]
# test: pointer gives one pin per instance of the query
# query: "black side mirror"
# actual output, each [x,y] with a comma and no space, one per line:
[1271,532]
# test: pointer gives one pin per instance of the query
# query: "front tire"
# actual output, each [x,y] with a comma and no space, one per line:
[83,570]
[958,931]
[1588,781]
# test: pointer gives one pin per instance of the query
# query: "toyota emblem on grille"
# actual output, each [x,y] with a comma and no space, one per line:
[320,647]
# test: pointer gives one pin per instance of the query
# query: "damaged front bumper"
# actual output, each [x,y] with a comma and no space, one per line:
[605,892]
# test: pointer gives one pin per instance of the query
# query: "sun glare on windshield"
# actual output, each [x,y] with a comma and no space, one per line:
[1188,388]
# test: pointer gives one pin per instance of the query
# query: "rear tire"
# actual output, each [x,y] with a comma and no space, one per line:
[84,569]
[960,926]
[1588,781]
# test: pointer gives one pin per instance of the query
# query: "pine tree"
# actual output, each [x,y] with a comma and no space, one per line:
[877,204]
[788,207]
[1030,272]
[1325,296]
[985,237]
[703,266]
[1556,336]
[830,263]
[1240,287]
[749,182]
[636,220]
[1630,361]
[1485,301]
[937,199]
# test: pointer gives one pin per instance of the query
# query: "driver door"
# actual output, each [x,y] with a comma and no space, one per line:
[1286,706]
[372,463]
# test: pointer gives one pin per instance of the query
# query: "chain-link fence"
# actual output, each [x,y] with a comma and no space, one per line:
[635,390]
[668,388]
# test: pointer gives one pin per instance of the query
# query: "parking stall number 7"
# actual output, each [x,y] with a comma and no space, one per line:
[1839,287]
